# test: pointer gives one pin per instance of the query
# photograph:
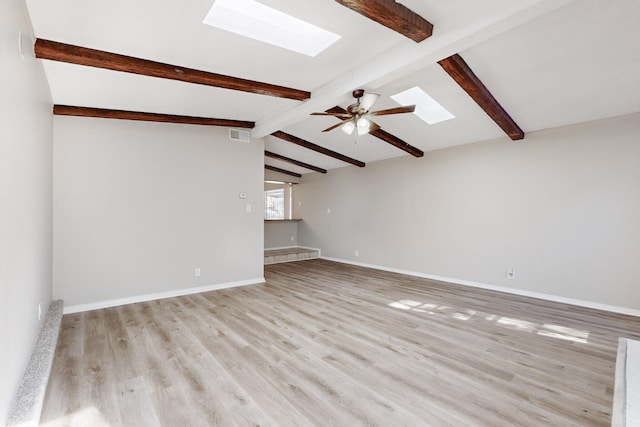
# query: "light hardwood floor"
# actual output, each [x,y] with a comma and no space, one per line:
[327,344]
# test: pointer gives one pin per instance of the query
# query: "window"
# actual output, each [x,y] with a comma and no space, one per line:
[274,204]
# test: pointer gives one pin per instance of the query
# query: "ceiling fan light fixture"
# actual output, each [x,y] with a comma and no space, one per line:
[363,125]
[358,116]
[348,127]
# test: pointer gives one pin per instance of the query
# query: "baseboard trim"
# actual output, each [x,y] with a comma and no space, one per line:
[311,249]
[159,295]
[290,260]
[296,246]
[539,295]
[277,248]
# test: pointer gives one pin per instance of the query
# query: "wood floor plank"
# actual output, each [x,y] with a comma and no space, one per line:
[135,405]
[242,363]
[323,343]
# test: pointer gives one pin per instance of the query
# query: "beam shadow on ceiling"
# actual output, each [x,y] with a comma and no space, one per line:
[311,146]
[55,51]
[104,113]
[294,162]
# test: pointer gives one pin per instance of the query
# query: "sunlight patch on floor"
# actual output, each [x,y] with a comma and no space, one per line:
[420,307]
[565,333]
[83,417]
[521,325]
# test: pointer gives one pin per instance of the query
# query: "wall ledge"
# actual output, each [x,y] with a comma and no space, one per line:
[27,404]
[626,394]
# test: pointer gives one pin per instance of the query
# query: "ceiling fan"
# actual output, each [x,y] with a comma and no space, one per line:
[358,117]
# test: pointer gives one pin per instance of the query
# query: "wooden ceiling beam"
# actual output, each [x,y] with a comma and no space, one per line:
[393,15]
[460,71]
[318,149]
[104,113]
[294,162]
[55,51]
[386,136]
[284,171]
[394,64]
[397,142]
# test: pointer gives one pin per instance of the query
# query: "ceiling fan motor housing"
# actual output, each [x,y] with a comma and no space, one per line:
[354,109]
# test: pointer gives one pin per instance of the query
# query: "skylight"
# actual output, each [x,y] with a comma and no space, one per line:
[263,23]
[427,108]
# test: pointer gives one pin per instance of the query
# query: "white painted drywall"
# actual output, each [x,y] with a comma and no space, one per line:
[277,176]
[280,234]
[139,206]
[562,208]
[25,200]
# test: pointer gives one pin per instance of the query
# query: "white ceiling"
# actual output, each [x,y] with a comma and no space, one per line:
[548,62]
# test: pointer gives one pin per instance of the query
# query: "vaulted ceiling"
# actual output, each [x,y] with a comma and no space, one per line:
[503,68]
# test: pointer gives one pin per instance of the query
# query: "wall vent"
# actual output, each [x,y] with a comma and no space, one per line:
[239,135]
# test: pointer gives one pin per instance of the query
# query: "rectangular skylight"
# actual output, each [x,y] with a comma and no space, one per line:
[427,108]
[263,23]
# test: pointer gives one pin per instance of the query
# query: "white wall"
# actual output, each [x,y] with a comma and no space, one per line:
[25,200]
[561,207]
[280,234]
[138,206]
[277,176]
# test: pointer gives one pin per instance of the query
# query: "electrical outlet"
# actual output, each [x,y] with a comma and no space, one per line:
[511,274]
[292,238]
[196,272]
[357,253]
[328,210]
[248,207]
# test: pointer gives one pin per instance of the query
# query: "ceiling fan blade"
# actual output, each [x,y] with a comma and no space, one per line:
[367,101]
[339,115]
[397,110]
[335,126]
[336,109]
